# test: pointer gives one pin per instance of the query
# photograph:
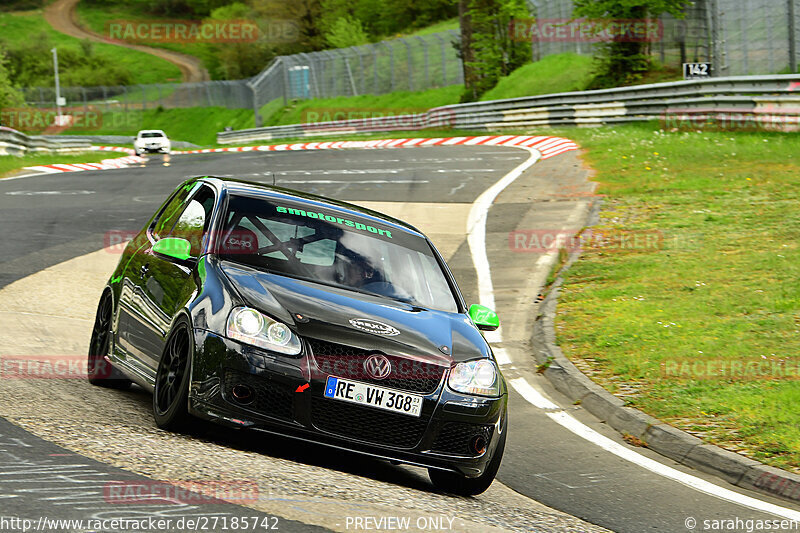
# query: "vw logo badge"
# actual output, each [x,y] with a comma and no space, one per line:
[377,366]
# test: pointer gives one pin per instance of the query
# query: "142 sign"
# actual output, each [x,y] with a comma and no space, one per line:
[696,70]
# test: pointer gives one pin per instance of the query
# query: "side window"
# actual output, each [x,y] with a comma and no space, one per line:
[166,220]
[320,253]
[192,224]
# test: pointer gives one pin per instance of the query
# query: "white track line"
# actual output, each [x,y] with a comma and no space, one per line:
[502,357]
[476,238]
[25,175]
[557,415]
[476,228]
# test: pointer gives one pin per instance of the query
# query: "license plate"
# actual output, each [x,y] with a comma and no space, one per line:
[365,394]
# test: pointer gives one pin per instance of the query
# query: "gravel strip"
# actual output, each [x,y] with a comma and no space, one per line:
[300,482]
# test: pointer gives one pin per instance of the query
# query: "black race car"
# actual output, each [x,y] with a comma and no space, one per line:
[282,312]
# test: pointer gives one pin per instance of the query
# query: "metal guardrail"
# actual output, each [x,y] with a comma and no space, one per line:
[110,140]
[735,98]
[13,142]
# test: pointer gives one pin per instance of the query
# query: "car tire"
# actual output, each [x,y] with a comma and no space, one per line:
[453,483]
[171,391]
[99,370]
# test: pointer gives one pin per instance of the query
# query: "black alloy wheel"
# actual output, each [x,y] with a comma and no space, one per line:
[99,369]
[170,395]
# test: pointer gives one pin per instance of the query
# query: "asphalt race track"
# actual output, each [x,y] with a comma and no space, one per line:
[61,441]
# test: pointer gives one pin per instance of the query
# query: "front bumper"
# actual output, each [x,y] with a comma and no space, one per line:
[154,149]
[442,437]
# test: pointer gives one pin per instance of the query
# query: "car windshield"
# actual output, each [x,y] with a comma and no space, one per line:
[334,248]
[151,134]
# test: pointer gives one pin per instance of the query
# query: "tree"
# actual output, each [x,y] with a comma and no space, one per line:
[9,95]
[346,32]
[301,17]
[238,60]
[623,60]
[487,49]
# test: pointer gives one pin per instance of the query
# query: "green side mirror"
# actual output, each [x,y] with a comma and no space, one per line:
[483,317]
[173,247]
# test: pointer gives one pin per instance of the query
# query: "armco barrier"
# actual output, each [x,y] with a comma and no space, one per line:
[124,140]
[13,142]
[771,101]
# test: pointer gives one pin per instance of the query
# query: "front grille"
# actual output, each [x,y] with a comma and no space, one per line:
[348,362]
[367,423]
[454,438]
[269,397]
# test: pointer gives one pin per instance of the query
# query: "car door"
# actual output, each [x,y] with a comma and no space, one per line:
[130,338]
[159,285]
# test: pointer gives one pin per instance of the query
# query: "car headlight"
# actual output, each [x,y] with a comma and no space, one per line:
[251,327]
[475,377]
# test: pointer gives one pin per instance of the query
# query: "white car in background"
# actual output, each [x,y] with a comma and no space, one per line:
[151,141]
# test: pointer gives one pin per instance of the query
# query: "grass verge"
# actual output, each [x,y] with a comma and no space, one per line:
[320,109]
[553,74]
[443,25]
[701,329]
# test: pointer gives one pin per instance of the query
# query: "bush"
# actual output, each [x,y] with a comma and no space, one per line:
[21,5]
[168,8]
[9,95]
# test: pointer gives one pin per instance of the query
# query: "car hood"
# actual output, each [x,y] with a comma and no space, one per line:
[354,319]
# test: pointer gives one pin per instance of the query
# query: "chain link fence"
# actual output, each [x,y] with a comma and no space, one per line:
[410,63]
[755,36]
[738,37]
[406,64]
[231,94]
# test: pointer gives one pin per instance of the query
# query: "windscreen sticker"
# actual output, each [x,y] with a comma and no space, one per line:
[336,220]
